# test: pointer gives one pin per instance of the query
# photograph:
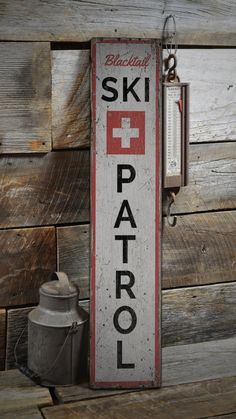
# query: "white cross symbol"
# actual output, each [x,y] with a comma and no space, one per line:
[125,133]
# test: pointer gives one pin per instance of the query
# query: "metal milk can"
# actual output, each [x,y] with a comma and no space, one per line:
[58,334]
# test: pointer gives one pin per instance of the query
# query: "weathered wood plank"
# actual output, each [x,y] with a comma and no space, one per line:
[196,314]
[182,364]
[212,92]
[44,190]
[198,361]
[70,98]
[229,416]
[214,304]
[107,256]
[197,22]
[83,392]
[25,97]
[199,250]
[18,392]
[58,184]
[190,401]
[189,315]
[28,256]
[17,329]
[2,337]
[213,95]
[212,180]
[28,413]
[74,255]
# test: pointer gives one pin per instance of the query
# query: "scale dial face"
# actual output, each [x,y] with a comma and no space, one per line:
[173,142]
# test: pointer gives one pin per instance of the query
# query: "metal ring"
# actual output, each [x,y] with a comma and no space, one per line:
[169,37]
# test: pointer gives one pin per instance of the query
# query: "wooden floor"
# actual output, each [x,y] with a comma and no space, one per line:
[199,381]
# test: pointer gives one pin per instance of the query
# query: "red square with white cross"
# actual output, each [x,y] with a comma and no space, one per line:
[125,132]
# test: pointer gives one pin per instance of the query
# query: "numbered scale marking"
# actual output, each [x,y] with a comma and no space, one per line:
[175,127]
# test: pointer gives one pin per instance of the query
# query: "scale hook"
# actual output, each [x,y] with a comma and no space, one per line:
[172,221]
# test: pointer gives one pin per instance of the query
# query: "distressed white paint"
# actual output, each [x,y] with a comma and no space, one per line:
[139,346]
[125,132]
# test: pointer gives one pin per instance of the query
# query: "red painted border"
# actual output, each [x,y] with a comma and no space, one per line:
[157,220]
[122,384]
[93,222]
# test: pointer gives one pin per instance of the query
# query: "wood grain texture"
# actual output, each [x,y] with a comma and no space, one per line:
[25,97]
[182,364]
[83,392]
[189,315]
[28,257]
[70,98]
[18,392]
[191,401]
[198,361]
[200,249]
[212,100]
[198,22]
[73,255]
[212,180]
[2,338]
[229,416]
[54,188]
[44,190]
[17,329]
[196,314]
[25,413]
[212,92]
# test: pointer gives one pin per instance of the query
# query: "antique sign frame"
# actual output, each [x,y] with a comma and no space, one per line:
[125,214]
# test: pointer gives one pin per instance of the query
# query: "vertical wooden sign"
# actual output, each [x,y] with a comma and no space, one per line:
[125,264]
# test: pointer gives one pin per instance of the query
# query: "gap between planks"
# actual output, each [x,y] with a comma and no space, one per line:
[84,223]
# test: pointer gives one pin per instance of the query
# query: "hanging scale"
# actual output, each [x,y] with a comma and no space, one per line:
[175,121]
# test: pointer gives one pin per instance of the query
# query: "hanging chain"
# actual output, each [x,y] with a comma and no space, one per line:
[169,38]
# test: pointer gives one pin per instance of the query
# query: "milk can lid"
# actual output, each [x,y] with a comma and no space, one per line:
[59,286]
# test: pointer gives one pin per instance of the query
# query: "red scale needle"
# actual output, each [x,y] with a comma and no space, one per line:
[180,103]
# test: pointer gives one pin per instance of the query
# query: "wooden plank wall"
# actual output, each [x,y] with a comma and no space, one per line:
[79,20]
[25,92]
[44,166]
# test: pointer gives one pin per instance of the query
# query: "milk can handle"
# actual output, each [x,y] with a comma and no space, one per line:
[63,280]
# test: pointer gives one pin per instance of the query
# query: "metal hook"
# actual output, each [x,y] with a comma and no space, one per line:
[171,68]
[172,74]
[171,221]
